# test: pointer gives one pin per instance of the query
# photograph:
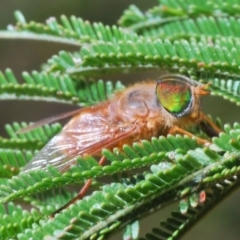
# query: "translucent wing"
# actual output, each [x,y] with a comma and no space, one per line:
[48,120]
[86,133]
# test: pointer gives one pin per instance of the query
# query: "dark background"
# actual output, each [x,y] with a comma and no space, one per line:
[22,55]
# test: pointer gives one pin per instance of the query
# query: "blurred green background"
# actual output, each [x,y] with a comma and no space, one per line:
[22,55]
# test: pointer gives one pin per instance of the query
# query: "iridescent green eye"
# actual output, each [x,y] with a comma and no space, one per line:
[175,96]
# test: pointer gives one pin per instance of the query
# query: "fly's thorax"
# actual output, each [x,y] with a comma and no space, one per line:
[138,101]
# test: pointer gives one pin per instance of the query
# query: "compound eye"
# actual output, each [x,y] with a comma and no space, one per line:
[175,96]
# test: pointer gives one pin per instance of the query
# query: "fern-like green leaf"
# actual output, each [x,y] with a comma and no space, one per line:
[203,27]
[96,209]
[176,225]
[171,11]
[12,161]
[71,30]
[185,56]
[88,168]
[193,38]
[48,87]
[14,218]
[228,89]
[19,149]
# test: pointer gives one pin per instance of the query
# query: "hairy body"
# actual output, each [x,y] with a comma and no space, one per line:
[130,115]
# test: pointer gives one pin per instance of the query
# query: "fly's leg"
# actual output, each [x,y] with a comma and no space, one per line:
[209,127]
[81,194]
[206,124]
[177,130]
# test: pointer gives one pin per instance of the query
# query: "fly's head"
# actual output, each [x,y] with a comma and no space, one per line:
[179,97]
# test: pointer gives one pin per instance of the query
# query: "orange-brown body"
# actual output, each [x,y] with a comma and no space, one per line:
[129,116]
